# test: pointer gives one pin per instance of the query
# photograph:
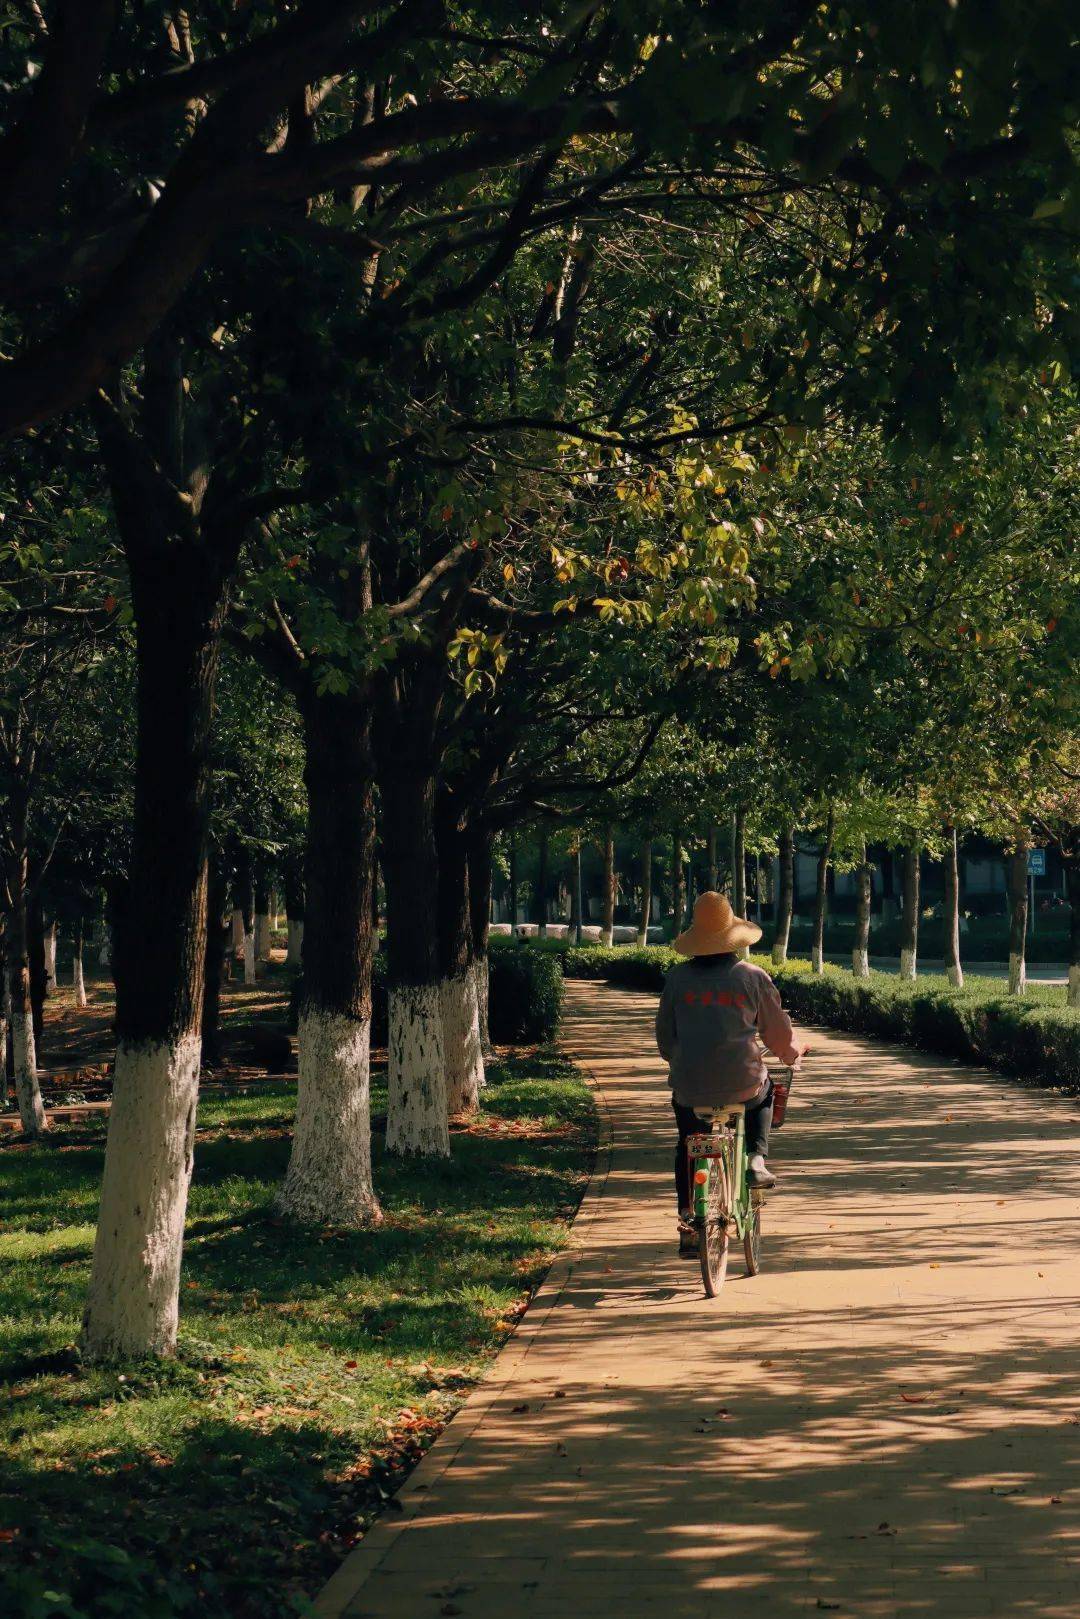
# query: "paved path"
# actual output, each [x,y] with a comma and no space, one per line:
[886,1422]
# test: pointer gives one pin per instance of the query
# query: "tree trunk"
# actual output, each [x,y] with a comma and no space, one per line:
[1071,853]
[821,896]
[909,915]
[540,897]
[678,889]
[953,966]
[132,1307]
[738,870]
[39,983]
[262,918]
[7,1066]
[785,896]
[17,962]
[860,954]
[607,915]
[1018,918]
[329,1179]
[49,932]
[513,884]
[713,860]
[217,948]
[78,980]
[646,892]
[457,989]
[480,855]
[738,861]
[238,929]
[576,897]
[416,1107]
[294,911]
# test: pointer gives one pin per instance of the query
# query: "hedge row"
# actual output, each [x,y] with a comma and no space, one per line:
[1025,1037]
[986,938]
[525,990]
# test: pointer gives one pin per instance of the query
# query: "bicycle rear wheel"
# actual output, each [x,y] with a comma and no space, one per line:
[713,1231]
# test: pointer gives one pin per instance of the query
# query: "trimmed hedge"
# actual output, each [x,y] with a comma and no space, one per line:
[986,937]
[1026,1037]
[525,991]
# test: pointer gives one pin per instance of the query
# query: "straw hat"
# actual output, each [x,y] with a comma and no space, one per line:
[715,929]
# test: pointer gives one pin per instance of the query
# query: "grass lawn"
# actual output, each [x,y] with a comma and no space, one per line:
[315,1366]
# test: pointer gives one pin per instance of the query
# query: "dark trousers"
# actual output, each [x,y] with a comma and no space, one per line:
[758,1122]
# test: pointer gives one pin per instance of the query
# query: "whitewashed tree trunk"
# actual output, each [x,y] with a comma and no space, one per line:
[954,970]
[607,917]
[329,1176]
[1072,995]
[78,980]
[5,1014]
[462,1053]
[785,895]
[262,936]
[294,954]
[416,1120]
[908,965]
[1018,917]
[132,1304]
[104,950]
[238,929]
[817,959]
[249,957]
[860,962]
[27,1089]
[50,958]
[481,971]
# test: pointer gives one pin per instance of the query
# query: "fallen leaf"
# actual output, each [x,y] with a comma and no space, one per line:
[913,1399]
[822,1602]
[517,1408]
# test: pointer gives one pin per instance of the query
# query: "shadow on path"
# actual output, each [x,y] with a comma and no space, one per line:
[886,1422]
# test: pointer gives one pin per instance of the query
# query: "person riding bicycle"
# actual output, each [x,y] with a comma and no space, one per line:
[713,1011]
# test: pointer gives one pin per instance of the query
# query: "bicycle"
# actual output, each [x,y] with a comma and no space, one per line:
[723,1199]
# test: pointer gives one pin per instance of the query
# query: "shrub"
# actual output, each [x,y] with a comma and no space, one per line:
[525,991]
[1023,1037]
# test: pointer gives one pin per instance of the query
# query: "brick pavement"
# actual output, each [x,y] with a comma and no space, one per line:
[885,1423]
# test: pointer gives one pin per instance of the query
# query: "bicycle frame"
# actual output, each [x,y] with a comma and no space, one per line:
[726,1140]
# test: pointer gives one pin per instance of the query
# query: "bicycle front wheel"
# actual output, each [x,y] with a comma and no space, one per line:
[713,1235]
[752,1243]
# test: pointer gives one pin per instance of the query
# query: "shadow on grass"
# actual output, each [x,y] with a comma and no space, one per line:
[225,1482]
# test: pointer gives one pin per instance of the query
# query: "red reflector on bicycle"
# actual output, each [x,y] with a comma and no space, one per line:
[700,1176]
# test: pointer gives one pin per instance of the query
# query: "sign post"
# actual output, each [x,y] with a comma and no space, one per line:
[1036,868]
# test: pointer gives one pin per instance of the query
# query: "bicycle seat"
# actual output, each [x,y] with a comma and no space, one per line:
[711,1114]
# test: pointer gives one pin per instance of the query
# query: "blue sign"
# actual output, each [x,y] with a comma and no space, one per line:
[1036,862]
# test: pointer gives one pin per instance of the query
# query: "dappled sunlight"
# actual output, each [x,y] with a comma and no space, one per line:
[886,1421]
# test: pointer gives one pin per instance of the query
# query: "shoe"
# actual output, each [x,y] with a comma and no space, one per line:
[688,1238]
[759,1174]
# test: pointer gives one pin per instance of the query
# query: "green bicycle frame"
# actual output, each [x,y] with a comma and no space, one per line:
[733,1152]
